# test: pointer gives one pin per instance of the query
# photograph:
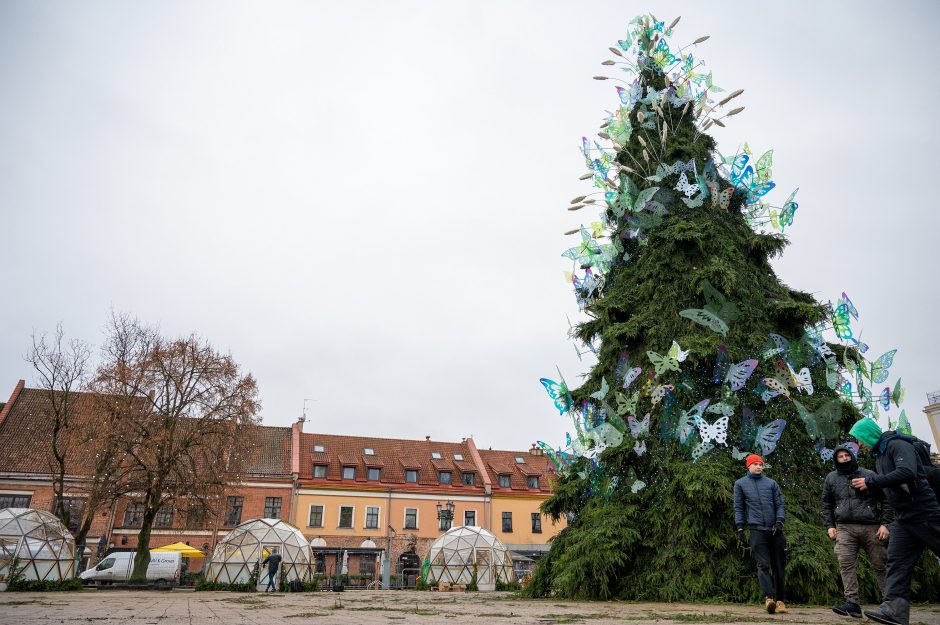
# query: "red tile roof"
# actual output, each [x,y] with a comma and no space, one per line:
[504,463]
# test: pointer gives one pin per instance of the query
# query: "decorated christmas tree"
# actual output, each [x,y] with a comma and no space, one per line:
[703,355]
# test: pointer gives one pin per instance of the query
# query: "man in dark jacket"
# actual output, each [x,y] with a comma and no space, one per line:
[854,519]
[902,481]
[758,506]
[274,562]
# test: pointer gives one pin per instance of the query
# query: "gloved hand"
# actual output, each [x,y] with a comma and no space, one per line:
[740,534]
[778,527]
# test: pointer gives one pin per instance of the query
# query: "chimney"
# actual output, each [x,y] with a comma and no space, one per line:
[535,450]
[427,439]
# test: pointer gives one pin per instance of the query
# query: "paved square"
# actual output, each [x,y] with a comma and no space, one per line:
[378,607]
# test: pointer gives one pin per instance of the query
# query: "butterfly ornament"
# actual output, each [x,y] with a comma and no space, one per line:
[718,311]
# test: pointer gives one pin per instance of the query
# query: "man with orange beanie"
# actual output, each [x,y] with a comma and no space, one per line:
[758,506]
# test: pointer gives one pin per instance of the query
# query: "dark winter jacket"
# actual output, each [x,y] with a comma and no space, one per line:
[273,561]
[902,481]
[758,503]
[843,504]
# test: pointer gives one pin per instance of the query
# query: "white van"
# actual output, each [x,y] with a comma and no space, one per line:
[117,567]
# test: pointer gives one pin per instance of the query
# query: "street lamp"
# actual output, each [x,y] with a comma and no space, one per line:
[445,514]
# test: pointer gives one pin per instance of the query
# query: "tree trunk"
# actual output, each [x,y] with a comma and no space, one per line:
[142,556]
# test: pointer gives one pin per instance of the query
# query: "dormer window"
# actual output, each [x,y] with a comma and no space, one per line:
[368,451]
[520,459]
[436,455]
[318,448]
[458,456]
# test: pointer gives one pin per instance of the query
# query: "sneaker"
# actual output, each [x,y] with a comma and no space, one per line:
[770,605]
[848,609]
[781,607]
[879,616]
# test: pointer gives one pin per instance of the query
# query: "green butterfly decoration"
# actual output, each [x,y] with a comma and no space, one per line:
[718,311]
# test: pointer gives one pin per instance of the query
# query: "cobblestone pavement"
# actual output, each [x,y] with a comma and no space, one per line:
[379,607]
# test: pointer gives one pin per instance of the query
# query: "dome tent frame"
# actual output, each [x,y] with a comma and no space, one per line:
[236,555]
[43,548]
[462,551]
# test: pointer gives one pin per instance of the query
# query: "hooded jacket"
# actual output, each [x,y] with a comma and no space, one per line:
[758,503]
[843,504]
[902,480]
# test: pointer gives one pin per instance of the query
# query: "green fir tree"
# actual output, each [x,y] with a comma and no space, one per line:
[680,262]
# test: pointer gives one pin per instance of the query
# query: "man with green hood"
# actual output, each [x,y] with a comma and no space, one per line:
[902,481]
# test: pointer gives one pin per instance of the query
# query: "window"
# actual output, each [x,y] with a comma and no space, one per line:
[349,473]
[507,521]
[105,564]
[458,456]
[436,455]
[316,516]
[372,517]
[470,517]
[469,479]
[233,512]
[319,448]
[75,507]
[503,481]
[368,451]
[164,517]
[536,523]
[319,563]
[520,459]
[411,518]
[195,516]
[272,507]
[411,475]
[367,564]
[444,477]
[532,481]
[14,501]
[134,514]
[346,517]
[375,474]
[319,470]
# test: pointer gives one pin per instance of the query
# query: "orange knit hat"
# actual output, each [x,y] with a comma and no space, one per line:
[751,459]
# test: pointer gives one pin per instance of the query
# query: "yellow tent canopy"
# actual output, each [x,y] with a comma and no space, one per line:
[182,548]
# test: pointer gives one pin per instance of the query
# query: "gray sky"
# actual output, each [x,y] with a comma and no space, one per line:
[364,201]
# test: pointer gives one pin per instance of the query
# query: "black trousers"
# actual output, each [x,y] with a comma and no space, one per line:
[769,550]
[905,546]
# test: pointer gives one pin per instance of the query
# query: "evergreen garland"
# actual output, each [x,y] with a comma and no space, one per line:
[658,526]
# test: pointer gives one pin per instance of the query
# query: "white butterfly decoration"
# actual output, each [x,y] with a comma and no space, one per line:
[776,344]
[721,408]
[669,362]
[638,427]
[637,486]
[631,376]
[660,392]
[717,431]
[683,186]
[687,421]
[639,448]
[737,454]
[802,380]
[768,436]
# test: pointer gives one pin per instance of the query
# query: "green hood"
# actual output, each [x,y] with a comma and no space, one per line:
[867,431]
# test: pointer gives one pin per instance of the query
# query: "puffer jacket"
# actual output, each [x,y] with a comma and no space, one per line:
[758,503]
[843,504]
[902,481]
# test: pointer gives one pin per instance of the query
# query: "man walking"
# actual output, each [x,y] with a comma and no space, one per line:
[758,506]
[274,562]
[902,480]
[854,519]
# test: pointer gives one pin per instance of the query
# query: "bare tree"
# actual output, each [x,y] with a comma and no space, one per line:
[186,411]
[61,374]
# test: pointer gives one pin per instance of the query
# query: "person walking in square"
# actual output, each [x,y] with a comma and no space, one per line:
[902,480]
[854,519]
[273,560]
[758,507]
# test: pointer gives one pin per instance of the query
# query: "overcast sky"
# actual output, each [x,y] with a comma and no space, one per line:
[364,201]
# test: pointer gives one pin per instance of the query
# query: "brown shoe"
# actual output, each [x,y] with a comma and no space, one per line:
[781,608]
[770,605]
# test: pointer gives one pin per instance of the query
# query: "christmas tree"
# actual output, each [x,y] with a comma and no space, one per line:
[703,355]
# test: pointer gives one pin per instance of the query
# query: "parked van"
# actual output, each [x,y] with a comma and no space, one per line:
[117,567]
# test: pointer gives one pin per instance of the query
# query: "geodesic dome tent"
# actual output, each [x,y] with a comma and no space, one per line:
[43,547]
[461,550]
[236,555]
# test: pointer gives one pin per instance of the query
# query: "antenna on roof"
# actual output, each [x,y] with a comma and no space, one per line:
[304,417]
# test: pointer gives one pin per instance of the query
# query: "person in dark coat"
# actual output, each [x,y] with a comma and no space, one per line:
[854,519]
[758,506]
[902,481]
[274,562]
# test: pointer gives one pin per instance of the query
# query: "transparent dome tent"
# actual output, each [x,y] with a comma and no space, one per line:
[462,550]
[43,547]
[234,558]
